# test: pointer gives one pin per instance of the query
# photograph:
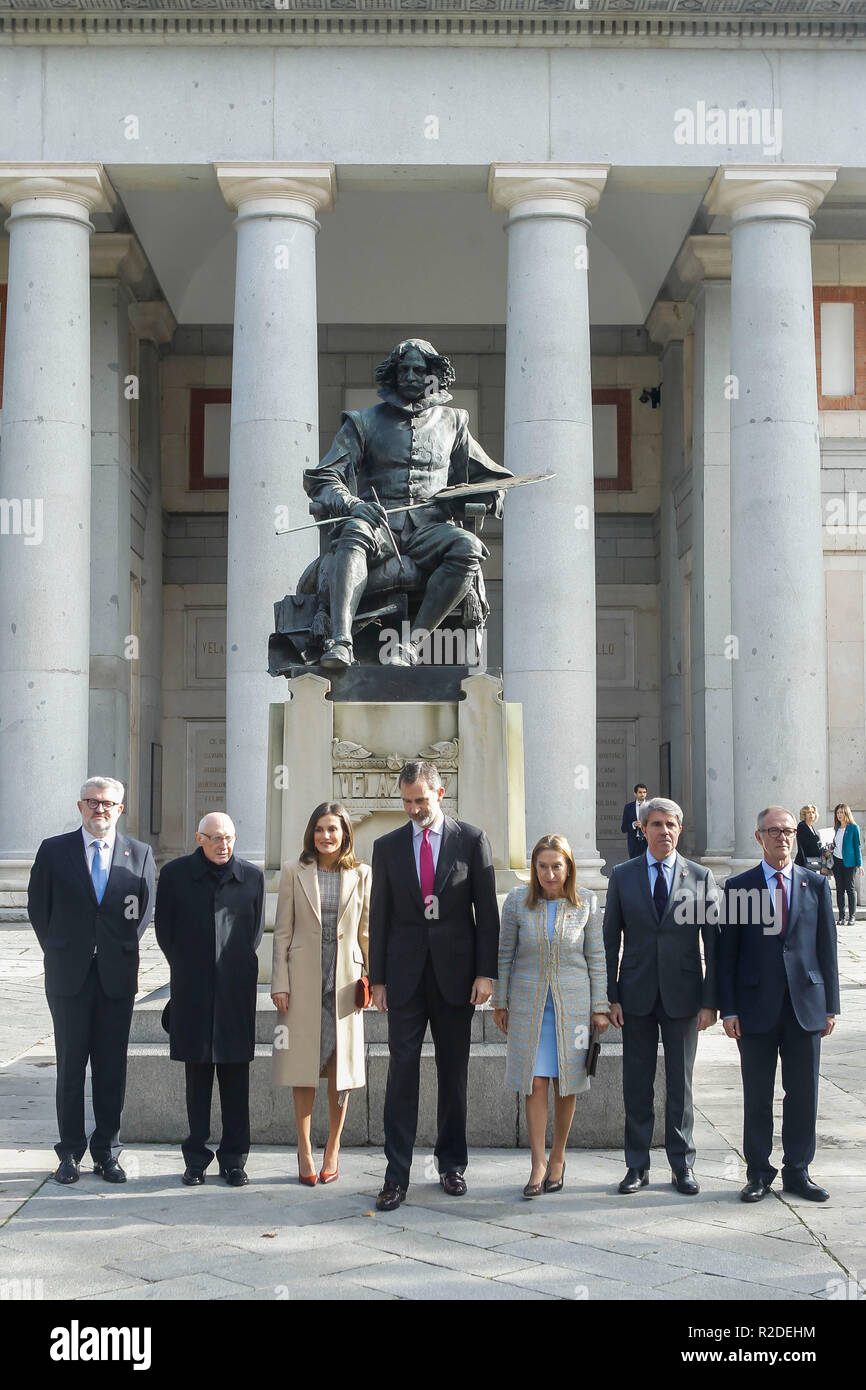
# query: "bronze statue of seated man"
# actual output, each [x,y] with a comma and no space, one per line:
[394,456]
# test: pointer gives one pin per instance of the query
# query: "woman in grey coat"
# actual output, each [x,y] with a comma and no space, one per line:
[551,991]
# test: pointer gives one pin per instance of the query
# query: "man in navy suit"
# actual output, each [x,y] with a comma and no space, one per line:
[631,826]
[90,899]
[779,990]
[434,946]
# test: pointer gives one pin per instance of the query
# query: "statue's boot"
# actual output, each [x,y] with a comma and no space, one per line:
[348,582]
[446,588]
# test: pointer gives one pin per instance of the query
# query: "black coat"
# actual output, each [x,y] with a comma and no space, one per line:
[755,965]
[209,933]
[70,923]
[662,957]
[461,935]
[635,839]
[808,844]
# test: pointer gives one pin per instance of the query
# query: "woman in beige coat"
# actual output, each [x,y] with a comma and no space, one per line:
[320,951]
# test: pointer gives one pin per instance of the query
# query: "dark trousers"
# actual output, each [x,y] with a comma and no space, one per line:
[234,1084]
[450,1025]
[844,877]
[640,1040]
[636,848]
[90,1027]
[800,1053]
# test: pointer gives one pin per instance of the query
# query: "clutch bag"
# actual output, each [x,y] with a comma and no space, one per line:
[363,993]
[593,1052]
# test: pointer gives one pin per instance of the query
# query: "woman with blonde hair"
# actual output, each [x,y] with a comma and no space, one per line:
[809,846]
[321,939]
[846,858]
[551,991]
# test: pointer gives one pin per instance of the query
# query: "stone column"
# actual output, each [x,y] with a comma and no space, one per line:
[154,325]
[274,437]
[704,264]
[549,546]
[45,481]
[777,576]
[668,324]
[116,262]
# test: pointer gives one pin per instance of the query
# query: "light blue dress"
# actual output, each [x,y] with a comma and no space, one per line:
[546,1059]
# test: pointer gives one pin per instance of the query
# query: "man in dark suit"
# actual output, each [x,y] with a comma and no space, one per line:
[631,827]
[779,991]
[90,899]
[659,908]
[210,915]
[434,939]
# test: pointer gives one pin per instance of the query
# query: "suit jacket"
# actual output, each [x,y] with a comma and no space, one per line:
[70,923]
[297,971]
[851,856]
[755,965]
[209,933]
[636,838]
[461,933]
[662,957]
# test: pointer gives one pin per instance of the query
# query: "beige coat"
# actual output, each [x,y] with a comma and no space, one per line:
[297,971]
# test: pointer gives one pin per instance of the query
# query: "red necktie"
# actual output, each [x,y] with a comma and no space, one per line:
[428,874]
[781,906]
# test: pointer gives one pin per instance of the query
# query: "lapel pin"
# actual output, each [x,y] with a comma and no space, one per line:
[126,853]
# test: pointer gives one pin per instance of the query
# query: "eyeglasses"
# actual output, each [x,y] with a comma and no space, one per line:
[218,839]
[777,831]
[95,805]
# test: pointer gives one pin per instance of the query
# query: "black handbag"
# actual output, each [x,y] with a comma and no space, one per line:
[593,1052]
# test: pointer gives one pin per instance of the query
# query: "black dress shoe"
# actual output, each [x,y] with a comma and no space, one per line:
[755,1189]
[685,1182]
[67,1172]
[803,1186]
[110,1170]
[193,1177]
[453,1183]
[634,1180]
[390,1197]
[235,1177]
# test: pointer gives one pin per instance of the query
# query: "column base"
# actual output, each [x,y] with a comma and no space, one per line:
[589,873]
[720,864]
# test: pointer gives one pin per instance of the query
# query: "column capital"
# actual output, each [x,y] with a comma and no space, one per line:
[670,321]
[84,184]
[741,191]
[313,184]
[152,319]
[117,256]
[704,258]
[511,184]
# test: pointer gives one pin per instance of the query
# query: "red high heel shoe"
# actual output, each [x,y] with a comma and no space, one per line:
[330,1177]
[308,1181]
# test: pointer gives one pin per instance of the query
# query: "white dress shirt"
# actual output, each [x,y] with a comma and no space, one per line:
[787,878]
[435,842]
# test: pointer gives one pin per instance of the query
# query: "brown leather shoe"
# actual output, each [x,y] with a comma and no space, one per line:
[453,1183]
[390,1197]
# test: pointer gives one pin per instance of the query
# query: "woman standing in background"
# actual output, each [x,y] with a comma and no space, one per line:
[846,859]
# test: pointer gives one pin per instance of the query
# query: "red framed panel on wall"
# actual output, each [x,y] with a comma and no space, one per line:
[611,429]
[854,295]
[3,289]
[209,416]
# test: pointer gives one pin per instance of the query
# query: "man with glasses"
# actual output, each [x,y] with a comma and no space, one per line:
[210,914]
[779,990]
[90,899]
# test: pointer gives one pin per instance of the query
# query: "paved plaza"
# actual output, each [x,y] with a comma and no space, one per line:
[157,1240]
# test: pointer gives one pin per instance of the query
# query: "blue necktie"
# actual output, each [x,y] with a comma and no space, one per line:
[98,871]
[660,892]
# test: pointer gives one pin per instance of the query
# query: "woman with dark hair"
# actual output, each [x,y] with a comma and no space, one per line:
[846,859]
[551,992]
[320,952]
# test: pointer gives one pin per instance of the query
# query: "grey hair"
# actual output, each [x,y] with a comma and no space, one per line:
[759,824]
[420,771]
[214,813]
[110,782]
[659,803]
